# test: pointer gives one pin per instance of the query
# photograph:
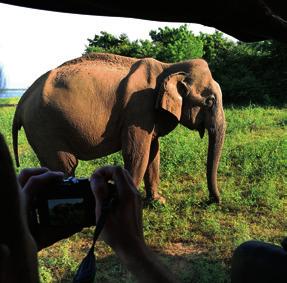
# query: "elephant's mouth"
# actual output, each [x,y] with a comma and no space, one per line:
[199,122]
[201,130]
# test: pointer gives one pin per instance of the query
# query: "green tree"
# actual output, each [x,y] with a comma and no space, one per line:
[107,42]
[252,72]
[167,45]
[215,45]
[122,45]
[176,44]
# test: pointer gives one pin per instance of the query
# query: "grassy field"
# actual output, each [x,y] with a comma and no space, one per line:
[194,240]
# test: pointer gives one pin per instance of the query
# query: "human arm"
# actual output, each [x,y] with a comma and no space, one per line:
[123,230]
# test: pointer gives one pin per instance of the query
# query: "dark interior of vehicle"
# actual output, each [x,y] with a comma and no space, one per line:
[246,20]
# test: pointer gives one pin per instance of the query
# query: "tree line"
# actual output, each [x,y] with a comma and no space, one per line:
[247,72]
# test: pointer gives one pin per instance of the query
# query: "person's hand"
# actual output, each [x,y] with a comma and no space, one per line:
[34,182]
[123,229]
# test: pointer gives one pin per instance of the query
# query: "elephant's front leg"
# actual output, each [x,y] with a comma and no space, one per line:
[151,177]
[136,144]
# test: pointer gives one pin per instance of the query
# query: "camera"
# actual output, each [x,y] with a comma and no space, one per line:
[70,203]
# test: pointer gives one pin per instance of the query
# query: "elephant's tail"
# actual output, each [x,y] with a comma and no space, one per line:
[15,128]
[17,121]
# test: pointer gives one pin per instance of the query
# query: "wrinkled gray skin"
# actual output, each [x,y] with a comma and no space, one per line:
[102,103]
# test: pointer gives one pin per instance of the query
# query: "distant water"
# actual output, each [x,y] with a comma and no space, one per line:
[8,93]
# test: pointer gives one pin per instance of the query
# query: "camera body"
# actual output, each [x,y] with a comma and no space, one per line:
[71,203]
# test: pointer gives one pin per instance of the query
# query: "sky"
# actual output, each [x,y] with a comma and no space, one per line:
[34,41]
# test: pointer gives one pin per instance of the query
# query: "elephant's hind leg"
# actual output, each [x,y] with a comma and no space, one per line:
[59,161]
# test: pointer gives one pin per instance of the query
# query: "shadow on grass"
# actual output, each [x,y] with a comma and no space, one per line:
[191,267]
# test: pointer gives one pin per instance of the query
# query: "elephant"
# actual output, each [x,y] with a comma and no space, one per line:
[102,103]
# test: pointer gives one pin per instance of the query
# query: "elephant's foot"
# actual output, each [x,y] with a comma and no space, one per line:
[155,198]
[160,199]
[214,199]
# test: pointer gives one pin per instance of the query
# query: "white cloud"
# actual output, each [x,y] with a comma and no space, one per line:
[34,41]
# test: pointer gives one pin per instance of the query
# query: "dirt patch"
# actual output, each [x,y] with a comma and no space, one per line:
[179,249]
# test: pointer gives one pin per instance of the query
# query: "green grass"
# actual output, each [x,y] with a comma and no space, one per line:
[12,100]
[196,241]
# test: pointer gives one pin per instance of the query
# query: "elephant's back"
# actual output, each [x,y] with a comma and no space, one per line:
[30,101]
[103,59]
[34,89]
[95,74]
[85,84]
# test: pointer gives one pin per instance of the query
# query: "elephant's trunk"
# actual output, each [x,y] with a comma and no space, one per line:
[216,135]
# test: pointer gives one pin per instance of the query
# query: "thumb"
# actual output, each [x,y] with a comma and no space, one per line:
[99,187]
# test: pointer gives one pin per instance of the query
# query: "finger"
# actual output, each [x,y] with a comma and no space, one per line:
[124,183]
[100,190]
[103,176]
[39,184]
[99,186]
[121,177]
[26,173]
[131,182]
[105,172]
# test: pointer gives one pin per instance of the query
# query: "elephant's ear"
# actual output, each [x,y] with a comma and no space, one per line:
[169,97]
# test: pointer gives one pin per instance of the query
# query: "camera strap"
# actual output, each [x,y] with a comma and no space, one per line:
[87,270]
